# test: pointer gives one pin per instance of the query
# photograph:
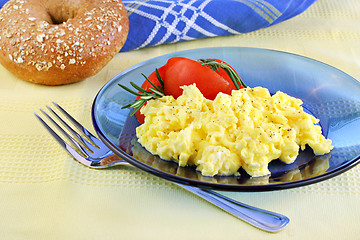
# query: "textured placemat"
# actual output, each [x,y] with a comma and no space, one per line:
[45,194]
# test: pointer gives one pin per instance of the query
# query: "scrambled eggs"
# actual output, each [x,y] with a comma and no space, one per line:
[248,129]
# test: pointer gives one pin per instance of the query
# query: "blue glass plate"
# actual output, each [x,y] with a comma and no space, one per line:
[328,93]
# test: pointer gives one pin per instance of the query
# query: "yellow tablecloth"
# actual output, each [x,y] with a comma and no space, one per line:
[45,194]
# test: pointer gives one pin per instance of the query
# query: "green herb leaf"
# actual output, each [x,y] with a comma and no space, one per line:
[157,91]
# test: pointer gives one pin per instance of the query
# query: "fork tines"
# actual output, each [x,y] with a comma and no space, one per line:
[82,142]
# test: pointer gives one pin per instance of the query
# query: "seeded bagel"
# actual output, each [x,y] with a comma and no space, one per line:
[55,42]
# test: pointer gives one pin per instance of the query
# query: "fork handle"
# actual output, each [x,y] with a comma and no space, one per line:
[260,218]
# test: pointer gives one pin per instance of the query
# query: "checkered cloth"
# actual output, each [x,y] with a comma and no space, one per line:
[156,22]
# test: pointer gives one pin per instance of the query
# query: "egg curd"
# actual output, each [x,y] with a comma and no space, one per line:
[248,129]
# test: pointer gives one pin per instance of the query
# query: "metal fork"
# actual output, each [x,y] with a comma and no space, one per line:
[90,151]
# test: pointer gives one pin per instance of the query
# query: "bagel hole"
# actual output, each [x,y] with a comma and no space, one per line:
[59,19]
[55,21]
[62,16]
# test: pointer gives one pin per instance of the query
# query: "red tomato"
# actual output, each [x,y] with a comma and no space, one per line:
[180,71]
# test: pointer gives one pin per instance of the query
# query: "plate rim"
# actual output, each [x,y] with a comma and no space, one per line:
[209,185]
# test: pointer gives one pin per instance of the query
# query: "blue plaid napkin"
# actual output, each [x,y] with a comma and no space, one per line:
[156,22]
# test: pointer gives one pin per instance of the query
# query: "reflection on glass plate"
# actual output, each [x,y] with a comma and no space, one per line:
[327,93]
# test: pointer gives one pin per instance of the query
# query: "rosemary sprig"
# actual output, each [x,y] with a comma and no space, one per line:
[214,65]
[157,91]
